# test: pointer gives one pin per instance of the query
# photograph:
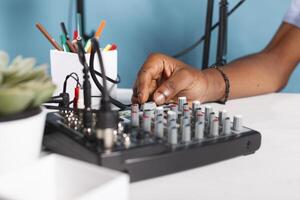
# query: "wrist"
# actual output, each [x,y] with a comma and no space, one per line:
[215,85]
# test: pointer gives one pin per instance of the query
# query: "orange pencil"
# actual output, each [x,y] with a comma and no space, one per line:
[100,29]
[97,34]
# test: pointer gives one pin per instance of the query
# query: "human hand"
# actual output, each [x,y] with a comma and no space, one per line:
[163,79]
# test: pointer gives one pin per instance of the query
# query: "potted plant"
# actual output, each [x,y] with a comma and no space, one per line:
[23,88]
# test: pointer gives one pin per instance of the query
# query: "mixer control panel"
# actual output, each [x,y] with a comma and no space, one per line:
[155,140]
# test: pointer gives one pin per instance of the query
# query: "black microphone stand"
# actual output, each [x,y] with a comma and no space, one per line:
[208,25]
[80,8]
[222,34]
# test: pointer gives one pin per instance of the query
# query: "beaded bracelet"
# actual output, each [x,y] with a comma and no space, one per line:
[227,85]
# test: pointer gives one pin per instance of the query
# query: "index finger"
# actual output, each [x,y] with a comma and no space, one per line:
[151,70]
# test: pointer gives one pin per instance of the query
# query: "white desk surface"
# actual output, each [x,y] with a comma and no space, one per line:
[273,172]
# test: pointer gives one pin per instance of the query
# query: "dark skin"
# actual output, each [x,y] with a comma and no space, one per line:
[163,79]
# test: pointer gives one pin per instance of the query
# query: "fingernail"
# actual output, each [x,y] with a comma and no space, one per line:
[140,97]
[159,98]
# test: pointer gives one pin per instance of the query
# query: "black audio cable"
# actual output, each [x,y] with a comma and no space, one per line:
[200,40]
[117,81]
[98,84]
[76,78]
[63,99]
[87,90]
[107,119]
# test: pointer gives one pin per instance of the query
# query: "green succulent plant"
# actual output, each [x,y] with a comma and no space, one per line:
[22,85]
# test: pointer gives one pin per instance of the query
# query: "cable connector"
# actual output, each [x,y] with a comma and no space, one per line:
[107,124]
[63,100]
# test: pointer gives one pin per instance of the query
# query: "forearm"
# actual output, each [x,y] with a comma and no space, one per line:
[253,75]
[166,78]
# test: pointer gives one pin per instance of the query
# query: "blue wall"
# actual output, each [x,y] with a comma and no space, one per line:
[140,27]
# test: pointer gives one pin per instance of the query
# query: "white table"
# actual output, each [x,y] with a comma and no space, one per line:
[273,172]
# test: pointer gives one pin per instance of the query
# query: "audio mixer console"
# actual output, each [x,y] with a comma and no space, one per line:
[152,141]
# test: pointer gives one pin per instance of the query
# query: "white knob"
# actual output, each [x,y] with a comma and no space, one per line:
[238,123]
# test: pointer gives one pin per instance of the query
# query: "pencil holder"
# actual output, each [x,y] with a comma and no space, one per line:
[64,63]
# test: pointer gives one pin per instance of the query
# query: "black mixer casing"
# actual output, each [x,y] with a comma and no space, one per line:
[148,161]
